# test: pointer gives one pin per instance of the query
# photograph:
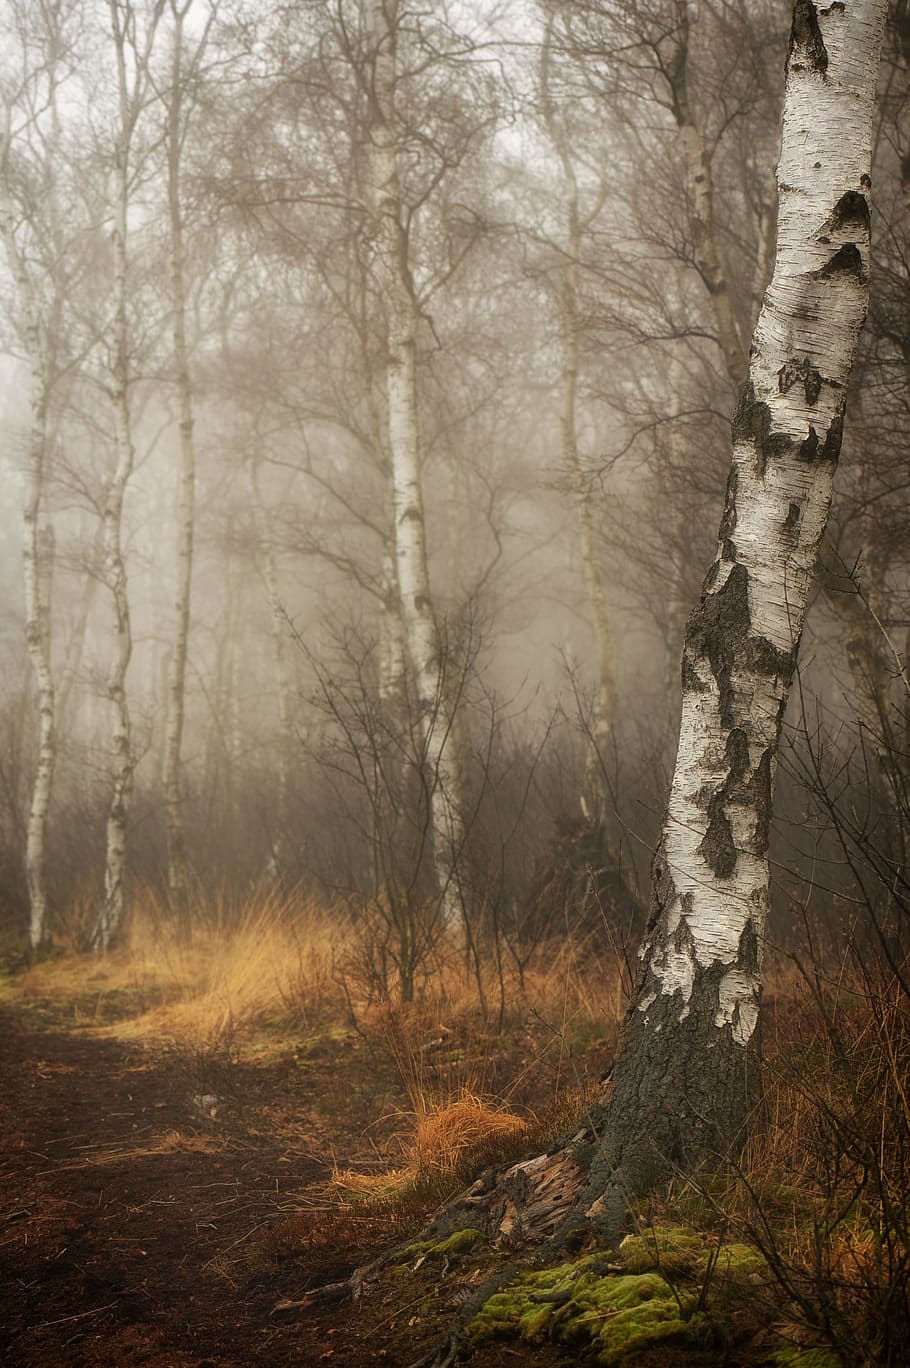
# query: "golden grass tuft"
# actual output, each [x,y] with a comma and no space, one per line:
[449,1142]
[465,1130]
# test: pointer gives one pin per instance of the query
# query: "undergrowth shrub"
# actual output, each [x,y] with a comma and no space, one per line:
[824,1190]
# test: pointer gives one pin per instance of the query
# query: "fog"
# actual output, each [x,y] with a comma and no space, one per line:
[220,275]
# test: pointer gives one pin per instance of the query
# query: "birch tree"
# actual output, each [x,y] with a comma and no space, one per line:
[30,160]
[687,1066]
[132,49]
[184,68]
[686,1070]
[391,219]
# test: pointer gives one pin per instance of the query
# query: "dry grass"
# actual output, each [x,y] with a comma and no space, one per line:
[171,1142]
[449,1143]
[275,957]
[823,1190]
[284,958]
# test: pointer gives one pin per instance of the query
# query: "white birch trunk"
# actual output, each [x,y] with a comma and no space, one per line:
[280,672]
[122,763]
[423,642]
[683,1076]
[75,644]
[37,610]
[176,681]
[37,635]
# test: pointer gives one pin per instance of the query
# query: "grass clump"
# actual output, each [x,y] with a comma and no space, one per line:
[450,1144]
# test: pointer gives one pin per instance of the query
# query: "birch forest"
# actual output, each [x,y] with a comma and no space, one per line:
[453,822]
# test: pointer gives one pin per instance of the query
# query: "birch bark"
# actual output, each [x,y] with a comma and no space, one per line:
[38,339]
[130,98]
[278,628]
[687,1063]
[186,513]
[422,635]
[37,627]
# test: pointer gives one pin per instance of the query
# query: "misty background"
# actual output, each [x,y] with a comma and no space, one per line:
[211,162]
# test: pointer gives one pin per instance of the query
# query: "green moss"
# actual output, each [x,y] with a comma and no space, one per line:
[677,1253]
[458,1243]
[615,1316]
[672,1286]
[792,1356]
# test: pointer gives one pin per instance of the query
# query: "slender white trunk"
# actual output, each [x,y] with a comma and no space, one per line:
[176,683]
[278,629]
[422,634]
[683,1076]
[111,913]
[115,579]
[75,645]
[37,610]
[37,634]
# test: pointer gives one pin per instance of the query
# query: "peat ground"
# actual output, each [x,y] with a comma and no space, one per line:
[141,1186]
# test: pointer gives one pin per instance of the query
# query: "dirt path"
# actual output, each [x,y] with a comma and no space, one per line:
[135,1225]
[119,1215]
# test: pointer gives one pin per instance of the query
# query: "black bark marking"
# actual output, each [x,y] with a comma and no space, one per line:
[796,371]
[807,46]
[811,450]
[749,952]
[737,757]
[718,849]
[752,419]
[808,450]
[683,942]
[762,656]
[751,423]
[850,212]
[663,890]
[717,629]
[791,522]
[728,518]
[831,449]
[847,261]
[761,801]
[691,681]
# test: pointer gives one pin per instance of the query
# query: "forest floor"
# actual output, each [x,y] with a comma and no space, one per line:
[180,1167]
[149,1194]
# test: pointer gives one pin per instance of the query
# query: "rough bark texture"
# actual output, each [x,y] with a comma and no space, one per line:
[422,634]
[687,1058]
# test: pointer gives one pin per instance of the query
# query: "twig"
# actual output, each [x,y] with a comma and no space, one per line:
[81,1315]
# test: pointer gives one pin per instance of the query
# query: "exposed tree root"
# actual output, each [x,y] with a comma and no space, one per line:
[532,1206]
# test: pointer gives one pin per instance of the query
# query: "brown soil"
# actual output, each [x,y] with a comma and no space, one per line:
[138,1229]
